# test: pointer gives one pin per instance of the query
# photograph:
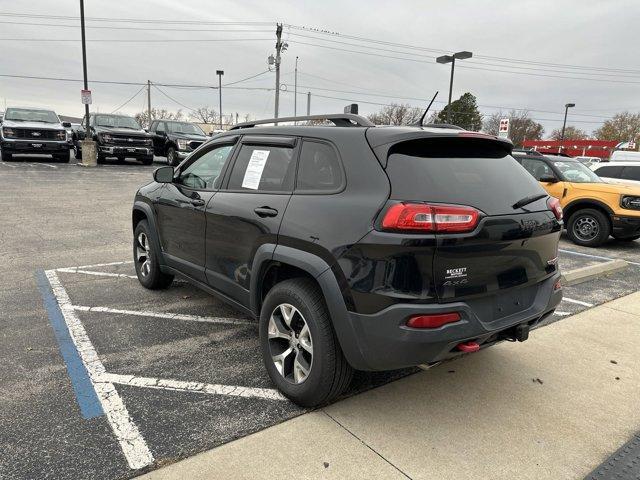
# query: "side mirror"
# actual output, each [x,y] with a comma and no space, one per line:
[548,179]
[146,130]
[66,124]
[163,175]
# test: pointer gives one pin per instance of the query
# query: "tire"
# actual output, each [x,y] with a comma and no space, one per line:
[147,160]
[101,159]
[6,157]
[172,157]
[77,152]
[588,227]
[627,239]
[328,373]
[145,259]
[62,158]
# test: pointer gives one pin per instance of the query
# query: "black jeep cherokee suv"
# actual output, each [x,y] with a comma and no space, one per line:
[175,140]
[31,130]
[356,246]
[117,136]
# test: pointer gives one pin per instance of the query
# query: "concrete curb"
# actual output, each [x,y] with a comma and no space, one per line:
[584,274]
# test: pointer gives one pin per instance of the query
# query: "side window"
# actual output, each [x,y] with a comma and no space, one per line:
[263,168]
[631,173]
[537,168]
[319,168]
[206,169]
[160,127]
[609,171]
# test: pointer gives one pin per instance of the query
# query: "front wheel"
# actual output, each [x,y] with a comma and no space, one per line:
[145,259]
[6,157]
[588,227]
[77,152]
[299,347]
[172,157]
[62,158]
[147,160]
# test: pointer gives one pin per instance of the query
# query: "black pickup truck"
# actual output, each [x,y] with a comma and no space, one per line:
[117,136]
[32,130]
[175,140]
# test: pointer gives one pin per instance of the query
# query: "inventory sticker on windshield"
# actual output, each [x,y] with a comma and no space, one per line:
[253,174]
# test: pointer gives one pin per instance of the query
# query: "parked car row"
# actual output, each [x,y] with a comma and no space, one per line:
[593,208]
[121,137]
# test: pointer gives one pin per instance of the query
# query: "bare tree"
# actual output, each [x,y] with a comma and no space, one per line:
[521,127]
[157,114]
[396,114]
[205,115]
[570,133]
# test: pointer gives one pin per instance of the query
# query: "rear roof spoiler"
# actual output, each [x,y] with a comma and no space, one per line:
[382,146]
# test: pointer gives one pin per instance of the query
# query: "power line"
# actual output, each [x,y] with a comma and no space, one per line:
[109,40]
[173,99]
[163,29]
[473,68]
[434,50]
[126,102]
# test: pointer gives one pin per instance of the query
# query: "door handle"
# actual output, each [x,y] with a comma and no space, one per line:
[266,212]
[197,202]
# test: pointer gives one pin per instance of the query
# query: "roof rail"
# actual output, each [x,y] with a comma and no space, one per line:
[338,119]
[442,125]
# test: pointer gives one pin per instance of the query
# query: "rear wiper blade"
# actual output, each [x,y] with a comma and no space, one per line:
[528,200]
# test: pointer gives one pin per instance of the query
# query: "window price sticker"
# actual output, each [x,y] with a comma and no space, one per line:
[253,174]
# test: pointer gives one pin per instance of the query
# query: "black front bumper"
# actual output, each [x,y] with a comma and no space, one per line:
[125,151]
[382,341]
[625,226]
[43,147]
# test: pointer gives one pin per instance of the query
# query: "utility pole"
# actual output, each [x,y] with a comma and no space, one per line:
[220,73]
[295,90]
[278,49]
[149,102]
[84,69]
[308,103]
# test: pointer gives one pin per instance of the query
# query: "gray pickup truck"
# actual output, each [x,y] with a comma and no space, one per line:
[34,131]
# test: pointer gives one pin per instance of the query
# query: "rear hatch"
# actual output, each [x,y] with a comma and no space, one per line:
[501,256]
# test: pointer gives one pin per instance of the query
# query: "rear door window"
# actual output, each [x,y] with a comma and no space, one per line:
[611,171]
[631,173]
[473,172]
[319,169]
[263,168]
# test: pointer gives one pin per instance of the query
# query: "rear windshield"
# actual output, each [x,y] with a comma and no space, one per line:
[467,171]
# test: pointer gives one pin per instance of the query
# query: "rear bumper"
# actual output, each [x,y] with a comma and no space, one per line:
[44,146]
[382,341]
[121,151]
[625,226]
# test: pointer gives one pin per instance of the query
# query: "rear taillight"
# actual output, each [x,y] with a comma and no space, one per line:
[433,321]
[423,217]
[554,205]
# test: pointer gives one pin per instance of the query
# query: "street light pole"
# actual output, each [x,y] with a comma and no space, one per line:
[220,73]
[564,124]
[452,60]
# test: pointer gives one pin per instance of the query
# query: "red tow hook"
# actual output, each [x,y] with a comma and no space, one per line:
[468,347]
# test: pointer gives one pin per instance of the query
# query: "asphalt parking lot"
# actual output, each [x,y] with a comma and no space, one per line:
[178,371]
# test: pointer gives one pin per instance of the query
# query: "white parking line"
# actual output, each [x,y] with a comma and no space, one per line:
[562,314]
[194,387]
[83,267]
[97,274]
[133,446]
[579,302]
[588,255]
[170,316]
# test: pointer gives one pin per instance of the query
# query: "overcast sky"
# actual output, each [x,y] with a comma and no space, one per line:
[598,34]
